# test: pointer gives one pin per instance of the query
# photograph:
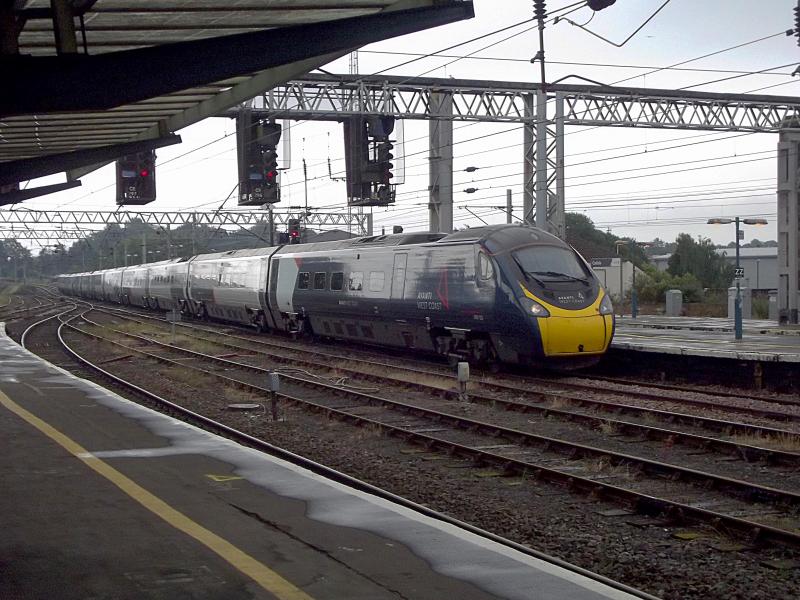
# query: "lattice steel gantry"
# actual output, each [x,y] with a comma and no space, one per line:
[334,96]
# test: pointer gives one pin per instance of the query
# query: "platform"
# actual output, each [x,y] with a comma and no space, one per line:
[103,498]
[762,340]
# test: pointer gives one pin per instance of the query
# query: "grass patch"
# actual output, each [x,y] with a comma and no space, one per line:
[604,466]
[559,403]
[786,442]
[609,428]
[7,293]
[133,327]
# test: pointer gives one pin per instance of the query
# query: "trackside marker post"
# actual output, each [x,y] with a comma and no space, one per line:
[463,378]
[274,386]
[173,316]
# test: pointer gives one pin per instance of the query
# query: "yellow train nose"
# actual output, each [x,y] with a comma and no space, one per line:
[575,335]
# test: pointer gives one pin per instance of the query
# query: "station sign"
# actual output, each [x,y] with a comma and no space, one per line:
[605,262]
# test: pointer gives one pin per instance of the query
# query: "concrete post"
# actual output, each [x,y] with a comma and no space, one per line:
[541,160]
[440,207]
[789,226]
[529,157]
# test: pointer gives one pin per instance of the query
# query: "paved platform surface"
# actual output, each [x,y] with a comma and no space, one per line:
[102,498]
[711,337]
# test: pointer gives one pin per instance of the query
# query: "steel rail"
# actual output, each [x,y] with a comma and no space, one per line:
[685,389]
[13,315]
[31,327]
[528,380]
[334,475]
[642,503]
[746,451]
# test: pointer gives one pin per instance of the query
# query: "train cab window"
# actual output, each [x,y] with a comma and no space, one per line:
[319,281]
[356,283]
[552,262]
[376,281]
[486,268]
[337,281]
[302,281]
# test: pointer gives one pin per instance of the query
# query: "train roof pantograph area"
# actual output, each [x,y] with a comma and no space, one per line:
[88,81]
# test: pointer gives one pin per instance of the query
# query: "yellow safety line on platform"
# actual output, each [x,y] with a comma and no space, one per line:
[260,573]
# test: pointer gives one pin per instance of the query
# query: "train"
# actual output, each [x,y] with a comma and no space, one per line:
[487,295]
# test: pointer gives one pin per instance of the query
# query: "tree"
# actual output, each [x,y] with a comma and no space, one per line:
[13,258]
[652,286]
[699,258]
[593,243]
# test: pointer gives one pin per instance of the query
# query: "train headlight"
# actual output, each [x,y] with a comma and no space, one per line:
[537,309]
[606,308]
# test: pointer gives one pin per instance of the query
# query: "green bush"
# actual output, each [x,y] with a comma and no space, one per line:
[760,307]
[653,285]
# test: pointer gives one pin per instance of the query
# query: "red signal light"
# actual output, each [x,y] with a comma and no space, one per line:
[144,173]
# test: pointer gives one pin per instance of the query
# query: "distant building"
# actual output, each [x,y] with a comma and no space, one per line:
[760,265]
[614,274]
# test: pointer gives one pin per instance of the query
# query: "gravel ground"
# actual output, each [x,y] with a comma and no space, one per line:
[676,563]
[687,456]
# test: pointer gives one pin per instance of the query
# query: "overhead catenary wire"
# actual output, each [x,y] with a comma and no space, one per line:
[658,69]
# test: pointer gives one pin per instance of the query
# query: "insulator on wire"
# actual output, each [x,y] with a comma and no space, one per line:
[797,22]
[539,10]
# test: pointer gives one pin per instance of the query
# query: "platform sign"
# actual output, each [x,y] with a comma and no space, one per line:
[738,273]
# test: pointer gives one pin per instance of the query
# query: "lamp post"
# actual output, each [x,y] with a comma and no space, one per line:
[737,302]
[634,297]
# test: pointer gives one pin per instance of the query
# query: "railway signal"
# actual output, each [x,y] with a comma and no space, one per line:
[136,178]
[368,158]
[257,143]
[294,231]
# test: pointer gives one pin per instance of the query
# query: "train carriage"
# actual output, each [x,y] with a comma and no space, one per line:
[112,284]
[501,293]
[161,281]
[134,285]
[230,285]
[96,285]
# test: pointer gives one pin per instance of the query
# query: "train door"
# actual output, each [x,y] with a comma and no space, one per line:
[399,276]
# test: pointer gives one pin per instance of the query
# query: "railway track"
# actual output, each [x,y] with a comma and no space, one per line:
[38,304]
[61,321]
[514,397]
[592,470]
[584,393]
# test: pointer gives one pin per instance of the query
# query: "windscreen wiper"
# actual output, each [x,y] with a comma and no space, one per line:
[527,274]
[565,275]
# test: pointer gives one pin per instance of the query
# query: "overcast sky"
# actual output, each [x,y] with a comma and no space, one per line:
[733,173]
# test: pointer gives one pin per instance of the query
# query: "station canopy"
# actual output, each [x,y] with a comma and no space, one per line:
[87,81]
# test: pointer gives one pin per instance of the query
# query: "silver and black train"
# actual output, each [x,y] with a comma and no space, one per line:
[504,293]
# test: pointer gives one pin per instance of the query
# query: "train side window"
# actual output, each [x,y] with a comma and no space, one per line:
[319,281]
[302,281]
[486,268]
[376,281]
[337,281]
[356,283]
